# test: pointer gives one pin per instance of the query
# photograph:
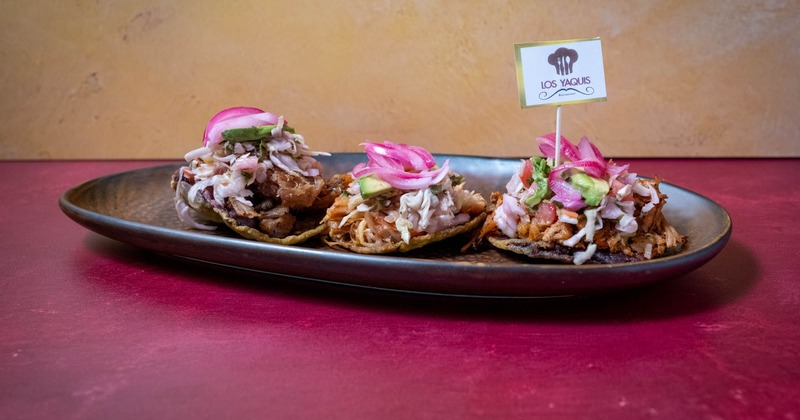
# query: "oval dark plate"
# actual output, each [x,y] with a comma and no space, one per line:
[137,207]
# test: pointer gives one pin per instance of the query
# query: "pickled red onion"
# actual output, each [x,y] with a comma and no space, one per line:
[587,150]
[547,145]
[585,156]
[591,167]
[238,117]
[401,166]
[399,155]
[564,193]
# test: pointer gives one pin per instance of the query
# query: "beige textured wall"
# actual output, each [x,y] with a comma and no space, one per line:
[140,79]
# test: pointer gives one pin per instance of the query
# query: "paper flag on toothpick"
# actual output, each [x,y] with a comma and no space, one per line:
[560,72]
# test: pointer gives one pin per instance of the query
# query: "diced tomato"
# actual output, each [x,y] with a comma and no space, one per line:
[546,213]
[527,173]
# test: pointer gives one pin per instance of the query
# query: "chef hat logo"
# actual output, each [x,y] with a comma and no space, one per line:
[563,59]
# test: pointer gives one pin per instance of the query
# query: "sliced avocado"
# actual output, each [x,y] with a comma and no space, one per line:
[251,133]
[592,189]
[539,172]
[535,199]
[371,186]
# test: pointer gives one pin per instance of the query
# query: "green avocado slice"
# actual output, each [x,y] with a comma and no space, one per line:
[592,189]
[251,133]
[371,186]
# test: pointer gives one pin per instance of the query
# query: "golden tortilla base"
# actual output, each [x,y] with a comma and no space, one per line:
[414,243]
[255,234]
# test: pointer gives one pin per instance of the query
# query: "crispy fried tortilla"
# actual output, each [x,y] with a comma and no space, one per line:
[413,243]
[294,237]
[555,252]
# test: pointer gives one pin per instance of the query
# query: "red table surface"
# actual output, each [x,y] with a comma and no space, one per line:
[95,328]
